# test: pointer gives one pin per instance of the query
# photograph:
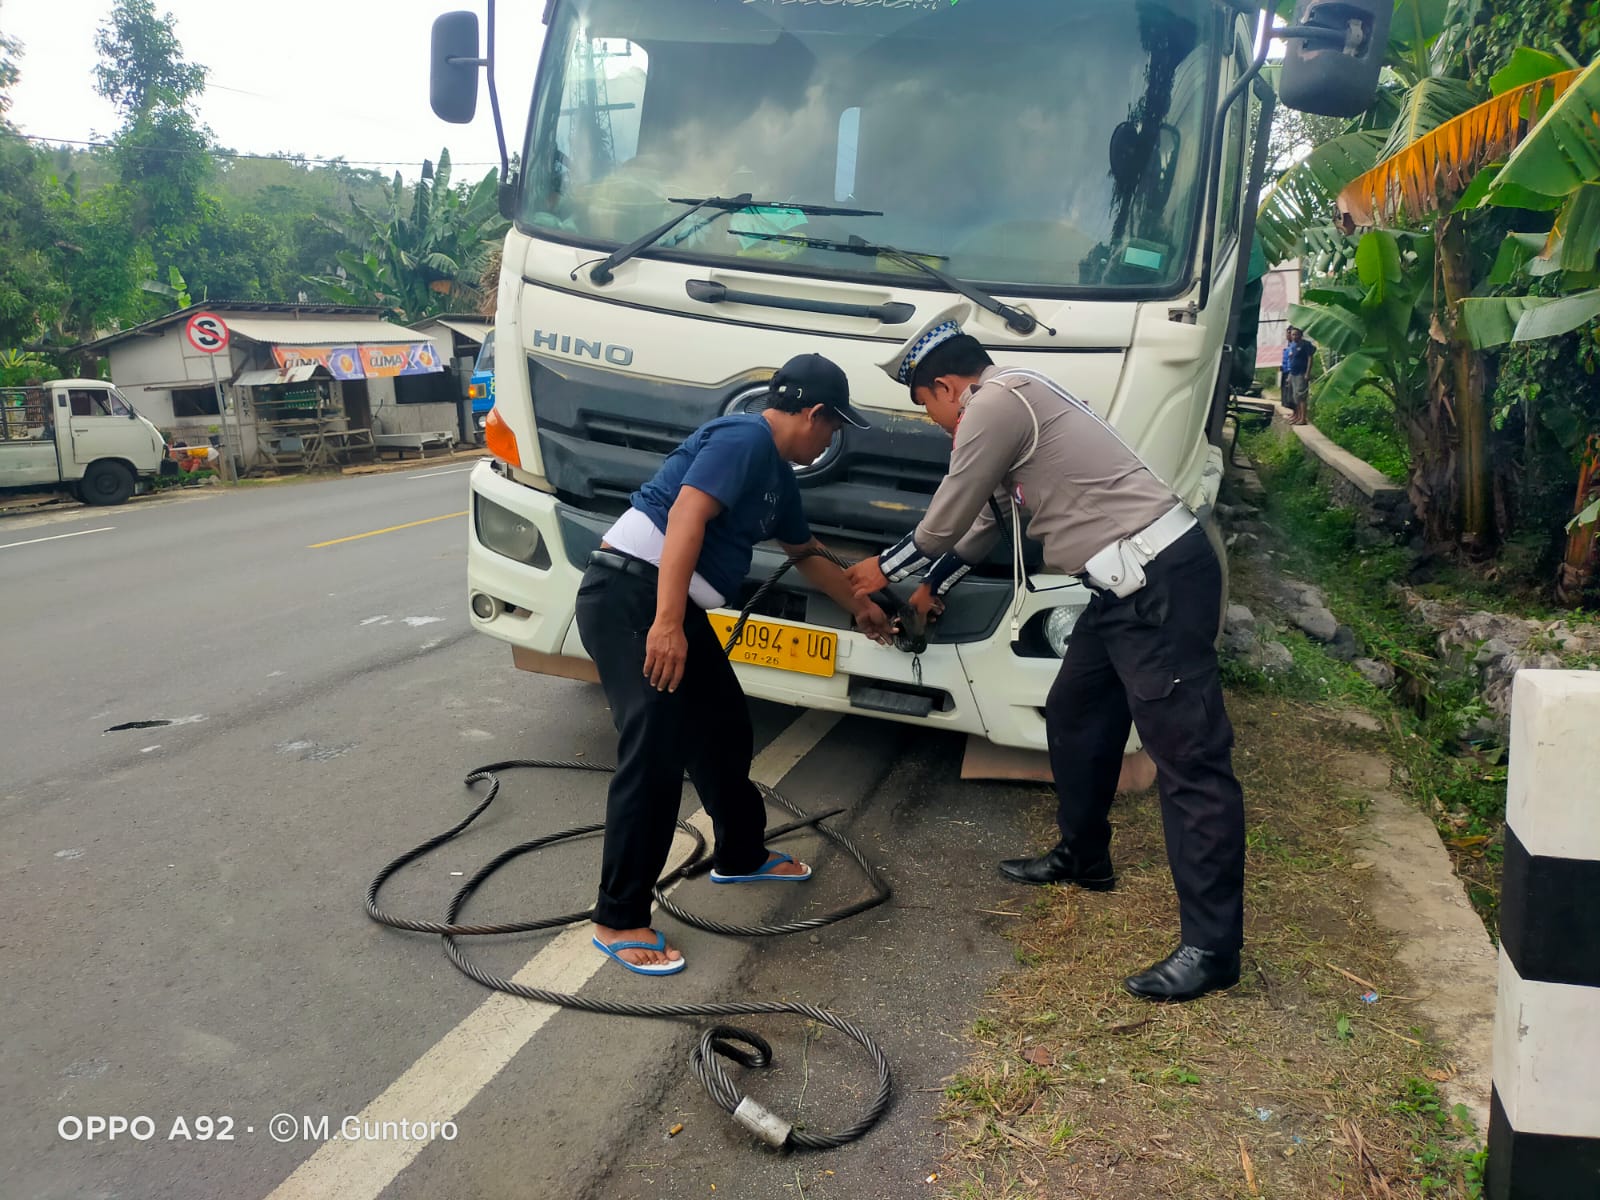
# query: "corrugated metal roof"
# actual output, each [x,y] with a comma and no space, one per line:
[474,331]
[270,375]
[229,311]
[323,331]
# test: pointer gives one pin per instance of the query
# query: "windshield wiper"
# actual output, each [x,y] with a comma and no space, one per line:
[1015,318]
[744,201]
[854,247]
[604,269]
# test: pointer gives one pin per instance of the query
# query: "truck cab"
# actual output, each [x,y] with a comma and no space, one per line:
[707,189]
[81,434]
[481,389]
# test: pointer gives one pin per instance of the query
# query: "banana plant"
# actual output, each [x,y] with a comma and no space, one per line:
[1378,327]
[1421,91]
[1555,167]
[1433,178]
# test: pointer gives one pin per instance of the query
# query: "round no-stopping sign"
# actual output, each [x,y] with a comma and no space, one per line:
[207,333]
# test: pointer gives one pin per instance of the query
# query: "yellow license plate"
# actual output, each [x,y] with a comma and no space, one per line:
[782,647]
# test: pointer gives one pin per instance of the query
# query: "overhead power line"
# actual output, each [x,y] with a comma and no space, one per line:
[304,158]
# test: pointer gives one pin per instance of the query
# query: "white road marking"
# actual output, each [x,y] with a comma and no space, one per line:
[57,537]
[445,1079]
[436,474]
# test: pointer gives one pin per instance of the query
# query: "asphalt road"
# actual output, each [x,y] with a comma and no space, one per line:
[183,934]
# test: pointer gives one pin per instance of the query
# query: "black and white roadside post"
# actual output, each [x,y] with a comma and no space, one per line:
[1544,1118]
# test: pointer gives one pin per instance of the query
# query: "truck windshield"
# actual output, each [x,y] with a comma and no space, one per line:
[1034,144]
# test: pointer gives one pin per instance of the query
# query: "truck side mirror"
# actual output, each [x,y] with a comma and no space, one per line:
[453,82]
[1335,74]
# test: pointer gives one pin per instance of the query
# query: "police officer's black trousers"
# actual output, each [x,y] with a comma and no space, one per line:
[1149,660]
[703,727]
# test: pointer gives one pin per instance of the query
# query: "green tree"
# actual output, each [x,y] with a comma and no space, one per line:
[162,150]
[30,292]
[101,262]
[421,255]
[142,69]
[10,49]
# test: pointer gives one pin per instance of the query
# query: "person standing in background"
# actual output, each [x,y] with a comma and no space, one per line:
[1297,356]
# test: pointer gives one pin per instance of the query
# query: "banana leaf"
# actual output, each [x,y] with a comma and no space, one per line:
[1578,230]
[1336,329]
[1416,177]
[1515,253]
[1304,194]
[1562,152]
[1378,266]
[1427,105]
[1341,382]
[1526,66]
[1495,320]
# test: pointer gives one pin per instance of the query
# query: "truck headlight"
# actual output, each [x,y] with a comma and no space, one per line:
[1058,627]
[504,532]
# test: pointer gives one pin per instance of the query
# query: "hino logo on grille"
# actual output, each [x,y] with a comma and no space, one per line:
[620,356]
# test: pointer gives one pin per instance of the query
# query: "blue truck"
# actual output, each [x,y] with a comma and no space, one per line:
[481,390]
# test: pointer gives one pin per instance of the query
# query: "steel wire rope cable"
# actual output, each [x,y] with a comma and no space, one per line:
[719,1041]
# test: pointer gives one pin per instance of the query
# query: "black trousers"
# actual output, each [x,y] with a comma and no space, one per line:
[1149,660]
[703,727]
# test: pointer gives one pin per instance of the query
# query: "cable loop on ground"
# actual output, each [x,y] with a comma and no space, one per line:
[716,1043]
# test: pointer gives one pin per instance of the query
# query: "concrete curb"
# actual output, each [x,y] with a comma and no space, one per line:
[472,454]
[1417,896]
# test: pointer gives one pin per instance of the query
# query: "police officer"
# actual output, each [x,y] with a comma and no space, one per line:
[1141,653]
[684,546]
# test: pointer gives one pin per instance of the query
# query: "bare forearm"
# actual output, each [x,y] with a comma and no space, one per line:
[828,578]
[681,551]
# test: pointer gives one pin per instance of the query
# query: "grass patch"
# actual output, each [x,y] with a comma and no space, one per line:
[1364,424]
[1082,1090]
[1462,787]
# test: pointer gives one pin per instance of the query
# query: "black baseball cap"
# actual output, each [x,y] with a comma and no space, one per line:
[809,379]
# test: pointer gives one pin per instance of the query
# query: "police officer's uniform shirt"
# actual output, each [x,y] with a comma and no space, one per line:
[734,460]
[1081,486]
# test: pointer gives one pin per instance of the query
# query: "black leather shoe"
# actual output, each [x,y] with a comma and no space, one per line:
[1062,866]
[1186,973]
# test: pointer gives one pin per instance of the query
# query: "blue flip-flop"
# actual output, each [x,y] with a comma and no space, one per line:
[671,967]
[764,874]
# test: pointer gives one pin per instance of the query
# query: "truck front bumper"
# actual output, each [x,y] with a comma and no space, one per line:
[529,601]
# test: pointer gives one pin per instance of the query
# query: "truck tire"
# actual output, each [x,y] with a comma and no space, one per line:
[106,482]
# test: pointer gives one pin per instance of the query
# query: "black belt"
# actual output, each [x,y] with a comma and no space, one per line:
[615,560]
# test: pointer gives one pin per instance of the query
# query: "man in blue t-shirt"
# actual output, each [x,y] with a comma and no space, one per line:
[1297,356]
[684,546]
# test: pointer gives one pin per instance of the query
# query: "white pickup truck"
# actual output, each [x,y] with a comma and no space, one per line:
[78,434]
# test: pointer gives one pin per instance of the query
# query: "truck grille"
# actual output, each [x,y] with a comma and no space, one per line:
[601,435]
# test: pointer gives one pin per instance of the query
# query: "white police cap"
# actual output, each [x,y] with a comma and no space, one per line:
[940,328]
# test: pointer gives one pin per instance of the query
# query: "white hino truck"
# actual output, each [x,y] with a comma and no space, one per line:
[709,187]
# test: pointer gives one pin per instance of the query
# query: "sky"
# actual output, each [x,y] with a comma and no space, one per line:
[322,78]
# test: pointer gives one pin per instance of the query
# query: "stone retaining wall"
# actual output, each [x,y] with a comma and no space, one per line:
[1353,484]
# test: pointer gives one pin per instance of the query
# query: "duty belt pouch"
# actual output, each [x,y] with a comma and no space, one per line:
[1118,569]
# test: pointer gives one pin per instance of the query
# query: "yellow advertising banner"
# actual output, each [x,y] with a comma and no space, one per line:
[364,361]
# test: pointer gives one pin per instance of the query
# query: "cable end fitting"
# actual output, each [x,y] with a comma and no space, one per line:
[769,1127]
